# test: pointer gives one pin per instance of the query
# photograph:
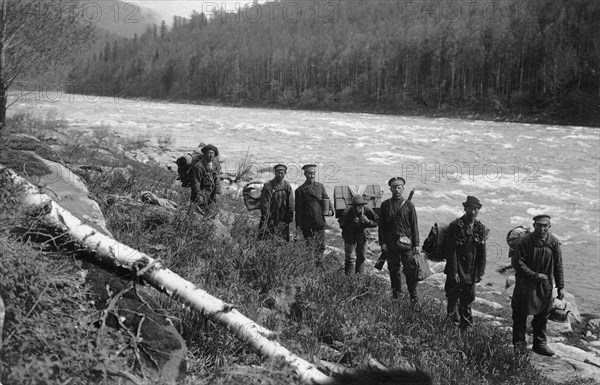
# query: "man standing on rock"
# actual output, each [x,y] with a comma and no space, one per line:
[399,237]
[309,210]
[465,256]
[354,224]
[276,206]
[205,178]
[537,263]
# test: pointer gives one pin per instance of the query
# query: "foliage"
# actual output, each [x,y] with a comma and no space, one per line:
[382,55]
[36,35]
[49,328]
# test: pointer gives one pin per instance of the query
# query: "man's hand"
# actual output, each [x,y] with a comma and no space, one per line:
[456,278]
[356,220]
[541,277]
[478,279]
[416,249]
[384,247]
[559,294]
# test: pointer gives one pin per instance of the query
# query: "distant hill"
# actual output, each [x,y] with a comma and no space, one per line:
[120,18]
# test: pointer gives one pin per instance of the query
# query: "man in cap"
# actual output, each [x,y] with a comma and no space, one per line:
[538,264]
[465,256]
[276,206]
[205,178]
[309,214]
[399,237]
[354,223]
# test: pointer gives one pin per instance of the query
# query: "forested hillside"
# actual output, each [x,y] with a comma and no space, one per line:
[379,55]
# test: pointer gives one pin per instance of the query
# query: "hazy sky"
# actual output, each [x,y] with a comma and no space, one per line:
[169,8]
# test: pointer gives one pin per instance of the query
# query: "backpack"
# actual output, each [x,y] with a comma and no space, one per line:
[513,237]
[433,246]
[252,193]
[184,165]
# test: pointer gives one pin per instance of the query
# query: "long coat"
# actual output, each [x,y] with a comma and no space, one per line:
[276,204]
[309,215]
[465,250]
[356,232]
[535,256]
[394,222]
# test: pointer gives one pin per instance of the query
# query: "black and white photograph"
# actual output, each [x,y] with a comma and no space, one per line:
[331,192]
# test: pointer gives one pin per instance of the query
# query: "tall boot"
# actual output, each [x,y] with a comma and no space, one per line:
[349,267]
[360,268]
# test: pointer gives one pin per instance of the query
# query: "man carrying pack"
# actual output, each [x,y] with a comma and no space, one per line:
[276,206]
[537,263]
[309,213]
[354,224]
[465,256]
[399,237]
[205,178]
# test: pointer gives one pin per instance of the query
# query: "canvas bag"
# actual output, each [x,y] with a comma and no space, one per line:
[419,265]
[433,246]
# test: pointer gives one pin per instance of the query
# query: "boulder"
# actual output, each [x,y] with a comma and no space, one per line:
[436,280]
[69,191]
[438,267]
[508,292]
[510,280]
[572,308]
[593,326]
[161,351]
[490,304]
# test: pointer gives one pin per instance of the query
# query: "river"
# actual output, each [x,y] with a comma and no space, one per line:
[516,170]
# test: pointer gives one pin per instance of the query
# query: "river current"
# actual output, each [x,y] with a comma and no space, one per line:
[517,170]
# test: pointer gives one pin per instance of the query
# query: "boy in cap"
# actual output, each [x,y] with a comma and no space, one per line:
[309,214]
[354,223]
[399,237]
[276,206]
[537,263]
[205,178]
[465,256]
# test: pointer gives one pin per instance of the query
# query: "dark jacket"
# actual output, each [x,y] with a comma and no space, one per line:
[277,203]
[395,223]
[356,232]
[464,250]
[309,215]
[535,256]
[203,181]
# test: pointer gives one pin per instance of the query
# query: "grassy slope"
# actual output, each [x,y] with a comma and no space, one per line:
[271,282]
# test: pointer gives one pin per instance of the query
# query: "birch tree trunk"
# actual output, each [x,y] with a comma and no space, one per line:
[106,248]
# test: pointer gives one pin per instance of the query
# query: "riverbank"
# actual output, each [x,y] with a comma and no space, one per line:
[319,312]
[575,110]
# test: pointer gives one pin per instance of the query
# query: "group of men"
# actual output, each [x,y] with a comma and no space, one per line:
[537,260]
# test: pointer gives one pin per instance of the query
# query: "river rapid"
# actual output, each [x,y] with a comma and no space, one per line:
[517,170]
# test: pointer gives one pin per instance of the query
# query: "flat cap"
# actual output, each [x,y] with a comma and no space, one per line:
[307,166]
[280,167]
[542,218]
[396,180]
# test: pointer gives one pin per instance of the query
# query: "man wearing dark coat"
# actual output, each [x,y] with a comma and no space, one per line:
[205,178]
[354,223]
[309,214]
[538,264]
[399,237]
[276,206]
[465,256]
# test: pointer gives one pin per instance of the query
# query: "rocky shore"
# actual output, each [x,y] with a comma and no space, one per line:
[576,341]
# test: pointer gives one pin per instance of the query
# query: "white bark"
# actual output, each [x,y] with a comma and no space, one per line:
[104,247]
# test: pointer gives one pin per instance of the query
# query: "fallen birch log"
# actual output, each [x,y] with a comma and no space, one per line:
[152,271]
